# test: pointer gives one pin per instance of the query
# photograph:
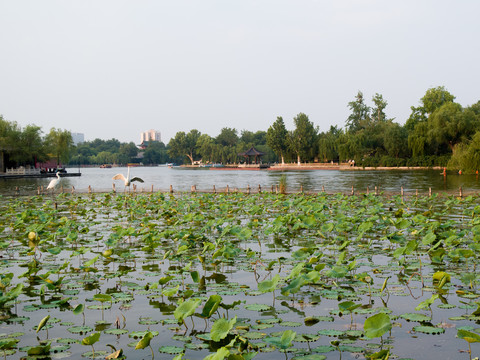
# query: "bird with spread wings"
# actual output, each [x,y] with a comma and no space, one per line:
[127,181]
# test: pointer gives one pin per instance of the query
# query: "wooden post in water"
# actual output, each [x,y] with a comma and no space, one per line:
[367,190]
[214,190]
[353,192]
[429,191]
[38,190]
[460,192]
[61,189]
[276,189]
[301,188]
[416,192]
[113,188]
[259,189]
[89,189]
[272,188]
[401,191]
[323,188]
[73,189]
[171,189]
[16,190]
[376,191]
[152,189]
[248,189]
[227,190]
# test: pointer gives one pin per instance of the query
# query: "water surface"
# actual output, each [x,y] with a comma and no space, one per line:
[331,181]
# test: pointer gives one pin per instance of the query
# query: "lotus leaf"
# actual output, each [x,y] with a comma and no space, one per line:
[377,325]
[221,328]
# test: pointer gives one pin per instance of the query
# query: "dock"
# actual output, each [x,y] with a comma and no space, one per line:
[6,176]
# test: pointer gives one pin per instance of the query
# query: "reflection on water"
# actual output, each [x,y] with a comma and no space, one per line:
[160,178]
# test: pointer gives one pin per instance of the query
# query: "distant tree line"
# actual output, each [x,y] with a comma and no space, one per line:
[438,132]
[28,146]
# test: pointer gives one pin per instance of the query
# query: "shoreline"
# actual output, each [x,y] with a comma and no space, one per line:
[306,167]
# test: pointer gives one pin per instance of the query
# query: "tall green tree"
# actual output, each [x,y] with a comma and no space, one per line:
[227,137]
[277,138]
[60,144]
[432,100]
[184,145]
[127,153]
[360,113]
[206,148]
[155,153]
[303,139]
[467,155]
[378,111]
[9,139]
[328,144]
[396,140]
[31,146]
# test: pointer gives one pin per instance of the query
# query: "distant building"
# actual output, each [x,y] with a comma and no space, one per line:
[149,136]
[78,138]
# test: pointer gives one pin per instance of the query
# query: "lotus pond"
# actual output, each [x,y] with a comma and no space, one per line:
[236,276]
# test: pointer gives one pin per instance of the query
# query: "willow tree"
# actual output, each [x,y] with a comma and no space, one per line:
[59,144]
[277,138]
[328,144]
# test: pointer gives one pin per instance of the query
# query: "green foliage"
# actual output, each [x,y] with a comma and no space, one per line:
[186,309]
[377,325]
[277,138]
[303,139]
[283,342]
[221,328]
[59,144]
[91,339]
[145,341]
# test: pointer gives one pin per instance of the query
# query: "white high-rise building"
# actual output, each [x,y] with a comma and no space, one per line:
[78,138]
[150,135]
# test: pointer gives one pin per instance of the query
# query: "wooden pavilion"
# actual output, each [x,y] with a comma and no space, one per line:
[252,156]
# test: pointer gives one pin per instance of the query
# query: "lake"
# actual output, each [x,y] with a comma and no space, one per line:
[332,181]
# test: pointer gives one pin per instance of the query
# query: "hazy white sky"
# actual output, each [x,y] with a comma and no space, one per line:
[115,68]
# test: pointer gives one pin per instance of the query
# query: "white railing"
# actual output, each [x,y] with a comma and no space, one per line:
[23,171]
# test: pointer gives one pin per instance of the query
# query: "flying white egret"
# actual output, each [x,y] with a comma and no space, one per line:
[53,183]
[127,179]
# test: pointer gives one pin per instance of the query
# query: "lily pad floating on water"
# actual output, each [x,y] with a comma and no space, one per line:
[80,329]
[330,332]
[99,354]
[431,330]
[171,350]
[140,334]
[258,307]
[68,341]
[291,323]
[323,349]
[116,331]
[254,335]
[415,317]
